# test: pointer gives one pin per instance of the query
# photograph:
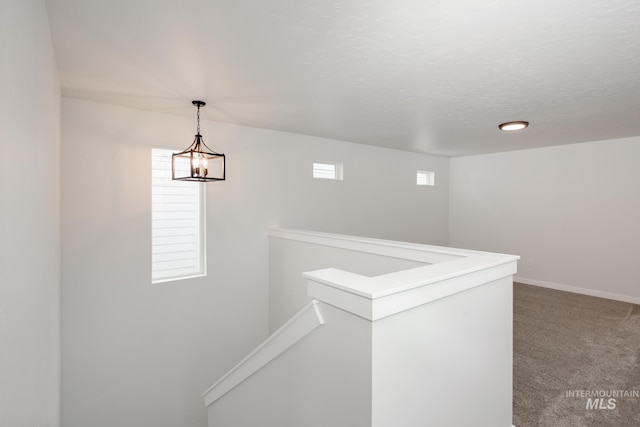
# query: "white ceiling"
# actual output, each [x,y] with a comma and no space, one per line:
[431,76]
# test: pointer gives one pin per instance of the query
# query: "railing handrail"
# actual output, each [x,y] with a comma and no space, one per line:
[429,254]
[305,321]
[449,271]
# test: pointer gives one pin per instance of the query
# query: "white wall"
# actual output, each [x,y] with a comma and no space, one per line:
[138,354]
[572,212]
[29,218]
[448,362]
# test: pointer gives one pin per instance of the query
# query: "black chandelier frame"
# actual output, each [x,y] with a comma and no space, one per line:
[198,162]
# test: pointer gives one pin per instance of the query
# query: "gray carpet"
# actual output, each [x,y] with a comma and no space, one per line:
[566,342]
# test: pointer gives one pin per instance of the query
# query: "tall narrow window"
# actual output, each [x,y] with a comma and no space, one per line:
[177,218]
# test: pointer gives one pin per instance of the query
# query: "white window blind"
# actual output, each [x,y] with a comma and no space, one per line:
[177,217]
[327,170]
[425,178]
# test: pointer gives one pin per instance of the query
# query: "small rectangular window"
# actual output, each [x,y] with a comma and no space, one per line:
[425,178]
[177,218]
[327,170]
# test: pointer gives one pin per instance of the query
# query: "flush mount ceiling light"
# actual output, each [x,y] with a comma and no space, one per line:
[198,162]
[509,126]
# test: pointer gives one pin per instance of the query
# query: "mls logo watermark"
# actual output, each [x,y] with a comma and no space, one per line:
[599,403]
[602,399]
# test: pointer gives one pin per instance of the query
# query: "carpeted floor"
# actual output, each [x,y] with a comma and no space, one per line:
[568,351]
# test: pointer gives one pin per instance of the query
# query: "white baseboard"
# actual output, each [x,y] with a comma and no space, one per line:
[576,290]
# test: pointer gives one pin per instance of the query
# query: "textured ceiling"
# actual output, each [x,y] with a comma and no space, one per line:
[430,76]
